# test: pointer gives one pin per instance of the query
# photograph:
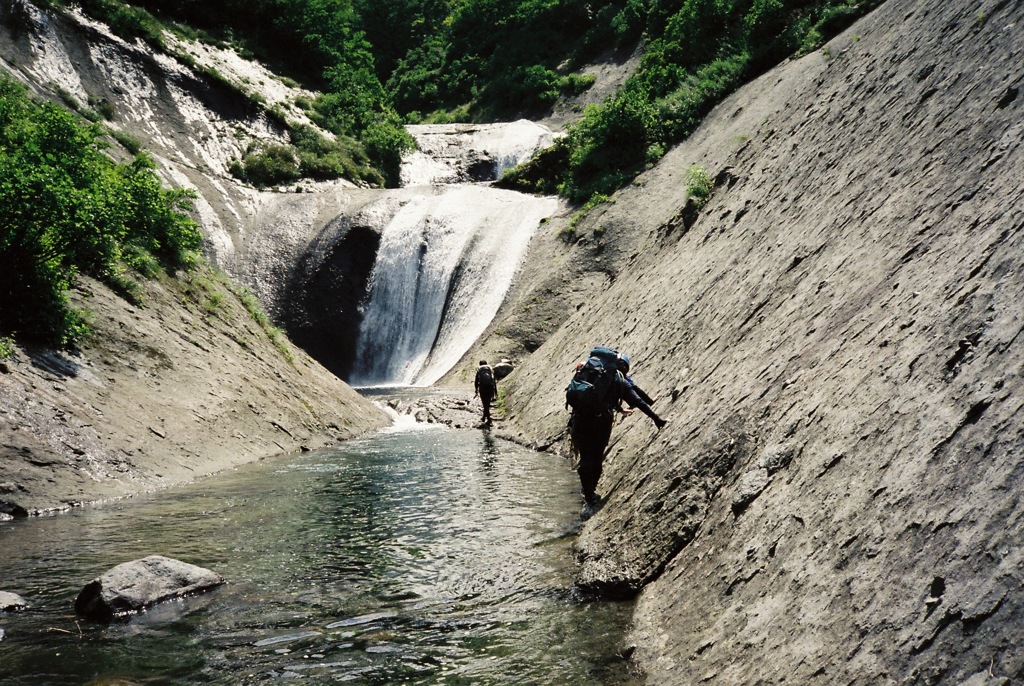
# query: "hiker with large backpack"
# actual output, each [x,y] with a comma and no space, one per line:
[486,387]
[594,394]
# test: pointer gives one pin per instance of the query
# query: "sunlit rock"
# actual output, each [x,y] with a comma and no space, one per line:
[134,586]
[12,602]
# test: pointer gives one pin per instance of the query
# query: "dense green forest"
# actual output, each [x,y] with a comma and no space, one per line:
[382,63]
[66,208]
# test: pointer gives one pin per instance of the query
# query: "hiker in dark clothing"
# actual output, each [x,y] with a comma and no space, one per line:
[485,386]
[635,396]
[590,426]
[590,435]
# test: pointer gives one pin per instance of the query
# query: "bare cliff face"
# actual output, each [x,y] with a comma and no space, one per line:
[836,341]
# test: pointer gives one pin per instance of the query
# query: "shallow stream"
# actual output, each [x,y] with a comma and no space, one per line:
[427,556]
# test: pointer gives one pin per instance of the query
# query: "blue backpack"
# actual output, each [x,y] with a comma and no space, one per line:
[593,388]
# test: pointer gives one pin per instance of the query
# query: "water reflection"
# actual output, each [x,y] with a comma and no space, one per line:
[414,557]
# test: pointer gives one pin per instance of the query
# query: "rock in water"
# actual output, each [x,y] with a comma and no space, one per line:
[11,602]
[133,586]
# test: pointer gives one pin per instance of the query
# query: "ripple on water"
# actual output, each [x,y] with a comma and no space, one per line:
[422,556]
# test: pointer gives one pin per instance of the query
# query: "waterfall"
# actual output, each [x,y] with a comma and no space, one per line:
[445,262]
[448,254]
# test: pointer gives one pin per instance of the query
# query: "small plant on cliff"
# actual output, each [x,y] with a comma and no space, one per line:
[569,232]
[699,185]
[6,347]
[127,21]
[252,305]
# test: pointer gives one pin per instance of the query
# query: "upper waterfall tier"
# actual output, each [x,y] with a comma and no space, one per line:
[459,153]
[449,250]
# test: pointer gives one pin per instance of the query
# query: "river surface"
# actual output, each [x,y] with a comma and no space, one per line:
[427,556]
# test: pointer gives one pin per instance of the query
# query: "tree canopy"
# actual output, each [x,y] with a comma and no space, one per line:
[382,63]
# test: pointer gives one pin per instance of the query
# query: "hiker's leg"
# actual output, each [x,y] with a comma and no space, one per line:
[587,438]
[599,432]
[590,473]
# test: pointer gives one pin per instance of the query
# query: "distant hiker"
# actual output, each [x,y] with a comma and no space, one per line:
[636,397]
[485,386]
[594,394]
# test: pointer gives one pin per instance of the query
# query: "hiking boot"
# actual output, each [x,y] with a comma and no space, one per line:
[659,422]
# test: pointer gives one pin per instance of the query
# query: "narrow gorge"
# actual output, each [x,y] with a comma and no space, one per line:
[835,338]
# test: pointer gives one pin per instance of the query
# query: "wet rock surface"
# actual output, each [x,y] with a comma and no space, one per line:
[836,341]
[132,587]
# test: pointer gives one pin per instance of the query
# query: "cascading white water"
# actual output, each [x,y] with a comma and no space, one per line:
[445,263]
[447,256]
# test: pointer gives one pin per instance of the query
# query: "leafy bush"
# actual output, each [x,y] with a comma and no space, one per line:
[699,185]
[127,141]
[267,164]
[126,21]
[609,144]
[542,174]
[311,155]
[66,208]
[569,233]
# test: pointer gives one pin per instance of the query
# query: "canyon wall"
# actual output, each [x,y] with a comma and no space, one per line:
[835,339]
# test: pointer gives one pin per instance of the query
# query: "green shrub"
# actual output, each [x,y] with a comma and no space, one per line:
[255,310]
[542,174]
[6,347]
[127,21]
[568,234]
[127,141]
[268,164]
[65,209]
[103,107]
[699,185]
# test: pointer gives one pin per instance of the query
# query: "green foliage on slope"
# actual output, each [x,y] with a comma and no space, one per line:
[380,63]
[697,52]
[66,208]
[489,59]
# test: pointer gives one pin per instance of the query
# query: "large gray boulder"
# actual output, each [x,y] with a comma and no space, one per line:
[503,369]
[134,586]
[11,602]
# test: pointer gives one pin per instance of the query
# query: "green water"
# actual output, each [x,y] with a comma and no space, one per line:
[424,556]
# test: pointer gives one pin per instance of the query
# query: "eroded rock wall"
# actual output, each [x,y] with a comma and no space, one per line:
[836,341]
[185,386]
